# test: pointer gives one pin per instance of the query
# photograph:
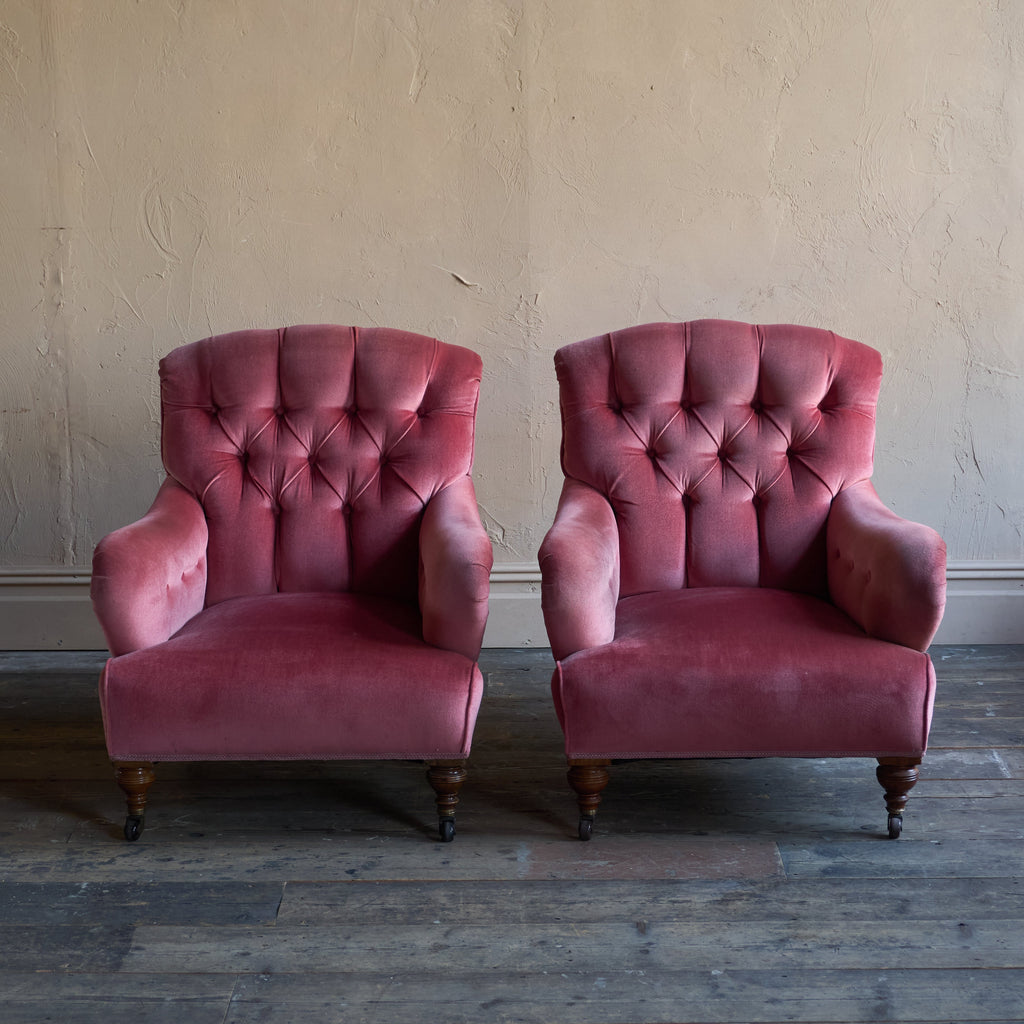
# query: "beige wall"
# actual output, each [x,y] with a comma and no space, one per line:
[508,176]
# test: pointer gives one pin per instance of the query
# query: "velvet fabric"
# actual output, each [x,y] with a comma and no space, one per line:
[888,574]
[742,672]
[286,676]
[314,450]
[721,578]
[719,446]
[311,580]
[149,578]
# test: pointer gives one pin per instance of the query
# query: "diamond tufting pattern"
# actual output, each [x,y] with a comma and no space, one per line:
[720,446]
[313,451]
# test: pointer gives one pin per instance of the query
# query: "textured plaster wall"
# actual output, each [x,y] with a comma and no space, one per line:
[511,177]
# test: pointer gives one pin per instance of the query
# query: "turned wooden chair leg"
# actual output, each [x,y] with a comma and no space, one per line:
[446,778]
[135,778]
[587,778]
[897,776]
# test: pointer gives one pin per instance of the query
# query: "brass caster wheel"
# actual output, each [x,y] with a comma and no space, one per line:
[446,827]
[895,825]
[586,828]
[132,828]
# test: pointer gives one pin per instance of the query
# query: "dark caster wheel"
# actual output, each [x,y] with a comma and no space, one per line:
[132,828]
[895,825]
[446,826]
[586,828]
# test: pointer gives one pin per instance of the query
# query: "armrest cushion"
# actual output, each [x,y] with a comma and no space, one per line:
[149,578]
[888,574]
[579,565]
[455,570]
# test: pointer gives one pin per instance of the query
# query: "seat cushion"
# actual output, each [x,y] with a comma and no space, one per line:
[742,672]
[292,677]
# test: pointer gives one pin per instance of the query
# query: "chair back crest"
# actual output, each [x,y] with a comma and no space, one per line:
[314,450]
[720,446]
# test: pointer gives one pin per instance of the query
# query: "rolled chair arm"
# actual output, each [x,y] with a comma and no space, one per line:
[149,578]
[455,570]
[888,574]
[579,565]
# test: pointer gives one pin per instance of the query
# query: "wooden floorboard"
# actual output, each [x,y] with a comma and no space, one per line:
[756,891]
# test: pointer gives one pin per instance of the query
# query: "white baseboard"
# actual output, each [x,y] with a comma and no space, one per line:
[984,603]
[44,609]
[514,618]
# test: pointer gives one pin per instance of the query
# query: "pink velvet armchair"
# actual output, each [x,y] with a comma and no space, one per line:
[311,581]
[721,579]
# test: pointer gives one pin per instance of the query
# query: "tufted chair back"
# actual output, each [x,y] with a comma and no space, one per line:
[720,446]
[313,451]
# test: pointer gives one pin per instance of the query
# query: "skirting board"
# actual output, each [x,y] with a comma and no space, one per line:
[43,609]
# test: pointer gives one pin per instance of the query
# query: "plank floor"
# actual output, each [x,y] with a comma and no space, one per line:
[720,891]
